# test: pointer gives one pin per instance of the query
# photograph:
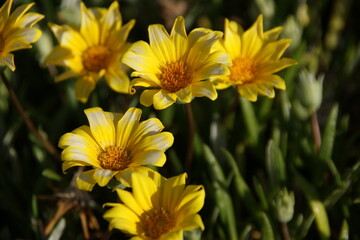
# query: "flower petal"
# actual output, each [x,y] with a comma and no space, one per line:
[161,43]
[204,88]
[122,218]
[102,129]
[127,126]
[85,181]
[151,157]
[103,176]
[118,79]
[162,100]
[83,87]
[161,141]
[89,29]
[143,190]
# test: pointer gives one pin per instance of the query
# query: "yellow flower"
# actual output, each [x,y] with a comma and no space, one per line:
[94,51]
[114,145]
[17,31]
[158,208]
[176,66]
[256,56]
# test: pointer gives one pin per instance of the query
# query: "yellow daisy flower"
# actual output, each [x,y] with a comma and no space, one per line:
[176,66]
[114,145]
[256,56]
[158,208]
[94,51]
[17,31]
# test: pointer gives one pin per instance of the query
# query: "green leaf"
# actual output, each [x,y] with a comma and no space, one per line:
[242,189]
[328,136]
[344,233]
[266,228]
[316,206]
[51,175]
[251,123]
[275,165]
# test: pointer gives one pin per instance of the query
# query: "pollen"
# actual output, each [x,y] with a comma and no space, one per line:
[114,158]
[157,222]
[243,70]
[95,58]
[175,76]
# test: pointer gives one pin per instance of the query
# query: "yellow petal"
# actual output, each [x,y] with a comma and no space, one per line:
[143,190]
[141,58]
[118,79]
[179,37]
[102,129]
[191,222]
[69,38]
[162,100]
[150,157]
[184,95]
[85,181]
[110,21]
[161,43]
[199,52]
[204,88]
[160,141]
[173,189]
[83,88]
[89,26]
[103,176]
[8,60]
[128,199]
[147,127]
[248,91]
[57,56]
[192,199]
[252,39]
[147,97]
[232,39]
[127,126]
[122,218]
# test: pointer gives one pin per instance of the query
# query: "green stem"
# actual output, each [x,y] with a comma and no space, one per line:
[47,145]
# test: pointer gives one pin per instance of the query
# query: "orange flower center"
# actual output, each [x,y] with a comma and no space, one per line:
[114,158]
[243,70]
[175,76]
[95,58]
[157,222]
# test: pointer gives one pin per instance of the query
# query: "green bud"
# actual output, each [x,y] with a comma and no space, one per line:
[284,205]
[309,94]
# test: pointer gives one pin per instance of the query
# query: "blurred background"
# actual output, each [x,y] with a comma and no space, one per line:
[264,175]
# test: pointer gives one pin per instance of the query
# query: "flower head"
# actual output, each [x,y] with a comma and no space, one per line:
[256,57]
[158,208]
[94,51]
[114,145]
[176,66]
[17,31]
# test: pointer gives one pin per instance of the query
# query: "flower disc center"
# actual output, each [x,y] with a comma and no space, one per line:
[95,58]
[175,76]
[114,158]
[243,70]
[157,222]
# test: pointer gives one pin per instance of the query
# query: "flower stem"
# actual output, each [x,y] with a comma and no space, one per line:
[285,235]
[191,128]
[47,145]
[316,131]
